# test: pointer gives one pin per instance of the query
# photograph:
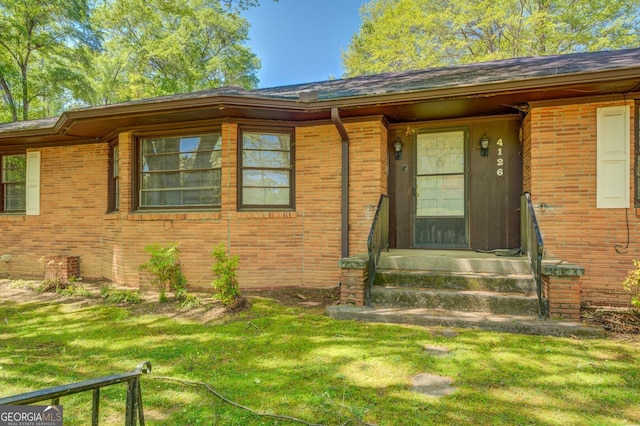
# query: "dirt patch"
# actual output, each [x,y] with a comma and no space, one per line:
[300,296]
[432,385]
[618,321]
[209,310]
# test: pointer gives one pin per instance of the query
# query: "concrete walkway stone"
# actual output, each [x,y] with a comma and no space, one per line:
[480,320]
[432,385]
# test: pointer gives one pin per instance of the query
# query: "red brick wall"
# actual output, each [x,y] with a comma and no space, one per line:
[276,248]
[73,198]
[560,171]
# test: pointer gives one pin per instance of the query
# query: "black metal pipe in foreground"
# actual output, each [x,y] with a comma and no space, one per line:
[134,394]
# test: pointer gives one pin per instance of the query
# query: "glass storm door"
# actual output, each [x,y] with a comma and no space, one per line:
[440,196]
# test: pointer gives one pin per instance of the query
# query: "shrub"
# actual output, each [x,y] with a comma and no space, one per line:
[225,269]
[165,265]
[632,284]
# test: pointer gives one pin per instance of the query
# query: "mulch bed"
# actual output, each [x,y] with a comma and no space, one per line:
[613,320]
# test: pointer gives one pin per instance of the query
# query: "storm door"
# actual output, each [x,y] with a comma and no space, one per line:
[440,215]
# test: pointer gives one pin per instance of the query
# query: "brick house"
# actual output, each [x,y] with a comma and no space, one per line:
[290,177]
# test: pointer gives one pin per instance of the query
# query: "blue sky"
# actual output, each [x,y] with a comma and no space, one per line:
[300,41]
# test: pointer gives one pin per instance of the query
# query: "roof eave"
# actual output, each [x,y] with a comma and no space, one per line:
[151,107]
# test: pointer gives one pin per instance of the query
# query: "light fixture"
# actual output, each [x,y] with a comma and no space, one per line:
[484,146]
[397,147]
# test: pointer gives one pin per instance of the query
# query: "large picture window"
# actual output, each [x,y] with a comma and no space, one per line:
[267,172]
[14,177]
[180,171]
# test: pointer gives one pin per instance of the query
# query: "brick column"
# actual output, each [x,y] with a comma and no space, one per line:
[355,278]
[61,268]
[562,286]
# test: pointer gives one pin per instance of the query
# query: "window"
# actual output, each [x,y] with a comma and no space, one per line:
[180,171]
[267,173]
[114,178]
[14,179]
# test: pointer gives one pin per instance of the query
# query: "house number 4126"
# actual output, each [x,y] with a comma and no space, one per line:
[500,160]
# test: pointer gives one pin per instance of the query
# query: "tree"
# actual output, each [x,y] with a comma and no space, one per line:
[39,41]
[400,35]
[160,47]
[60,54]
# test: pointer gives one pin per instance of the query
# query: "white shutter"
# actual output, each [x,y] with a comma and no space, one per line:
[613,172]
[33,183]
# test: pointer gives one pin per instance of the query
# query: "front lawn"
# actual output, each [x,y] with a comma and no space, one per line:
[297,362]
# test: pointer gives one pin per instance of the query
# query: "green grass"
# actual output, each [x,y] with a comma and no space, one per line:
[300,363]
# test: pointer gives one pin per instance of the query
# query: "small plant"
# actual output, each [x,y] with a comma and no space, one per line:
[48,286]
[72,290]
[69,289]
[632,284]
[114,296]
[186,300]
[165,265]
[30,285]
[225,269]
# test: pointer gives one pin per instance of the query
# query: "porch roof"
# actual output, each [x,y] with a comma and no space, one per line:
[487,88]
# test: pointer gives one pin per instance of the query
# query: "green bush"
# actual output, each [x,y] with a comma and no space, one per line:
[632,285]
[225,269]
[166,267]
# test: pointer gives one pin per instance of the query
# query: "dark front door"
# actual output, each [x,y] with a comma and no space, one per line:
[445,192]
[440,216]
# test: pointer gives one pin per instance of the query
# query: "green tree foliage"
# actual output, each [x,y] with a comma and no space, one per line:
[398,35]
[61,54]
[40,43]
[160,47]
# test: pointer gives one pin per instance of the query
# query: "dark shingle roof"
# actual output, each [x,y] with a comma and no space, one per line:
[509,70]
[516,72]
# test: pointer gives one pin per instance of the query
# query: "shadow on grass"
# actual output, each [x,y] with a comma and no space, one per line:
[289,361]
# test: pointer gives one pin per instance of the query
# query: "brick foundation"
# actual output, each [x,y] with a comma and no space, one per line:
[562,285]
[61,268]
[355,278]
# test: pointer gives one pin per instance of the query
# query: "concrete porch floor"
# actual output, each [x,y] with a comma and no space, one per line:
[455,261]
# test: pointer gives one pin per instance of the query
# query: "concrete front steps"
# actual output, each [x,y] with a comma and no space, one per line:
[458,289]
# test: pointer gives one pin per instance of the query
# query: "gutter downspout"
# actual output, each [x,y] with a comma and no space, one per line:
[335,117]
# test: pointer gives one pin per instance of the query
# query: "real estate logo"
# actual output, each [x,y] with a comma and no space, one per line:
[30,415]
